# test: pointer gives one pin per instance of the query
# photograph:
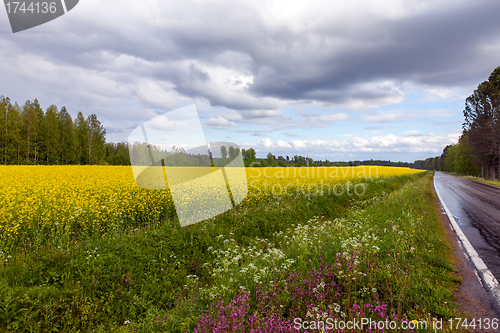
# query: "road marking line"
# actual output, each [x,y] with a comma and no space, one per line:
[488,280]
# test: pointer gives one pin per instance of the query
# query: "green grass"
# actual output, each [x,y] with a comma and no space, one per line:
[482,180]
[477,179]
[161,276]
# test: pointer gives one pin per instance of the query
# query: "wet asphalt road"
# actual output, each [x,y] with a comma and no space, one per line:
[476,208]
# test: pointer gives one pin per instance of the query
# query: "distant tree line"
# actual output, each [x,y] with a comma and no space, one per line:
[301,161]
[142,153]
[31,136]
[477,152]
[117,153]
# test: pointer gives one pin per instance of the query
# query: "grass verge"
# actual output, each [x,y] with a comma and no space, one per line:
[482,180]
[477,179]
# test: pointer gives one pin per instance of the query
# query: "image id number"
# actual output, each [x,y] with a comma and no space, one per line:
[33,8]
[481,323]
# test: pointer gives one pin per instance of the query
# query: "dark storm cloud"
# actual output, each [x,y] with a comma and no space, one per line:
[185,50]
[441,48]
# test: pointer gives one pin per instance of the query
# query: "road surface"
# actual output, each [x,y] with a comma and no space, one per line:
[476,208]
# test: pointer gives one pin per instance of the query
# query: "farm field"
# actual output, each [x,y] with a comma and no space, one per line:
[39,203]
[83,249]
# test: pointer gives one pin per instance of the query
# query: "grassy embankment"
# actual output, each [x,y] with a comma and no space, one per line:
[482,180]
[477,179]
[380,255]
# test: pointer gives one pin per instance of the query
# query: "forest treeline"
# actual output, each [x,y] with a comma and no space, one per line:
[477,152]
[301,161]
[31,136]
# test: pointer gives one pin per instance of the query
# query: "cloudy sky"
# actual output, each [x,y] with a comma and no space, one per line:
[337,80]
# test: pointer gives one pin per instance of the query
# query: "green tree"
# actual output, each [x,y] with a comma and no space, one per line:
[449,158]
[299,161]
[223,152]
[248,156]
[117,153]
[51,143]
[96,140]
[15,135]
[4,105]
[81,135]
[464,158]
[38,136]
[494,87]
[30,130]
[270,160]
[233,152]
[10,149]
[482,117]
[68,138]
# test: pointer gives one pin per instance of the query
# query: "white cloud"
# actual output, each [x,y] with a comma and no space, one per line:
[389,116]
[266,142]
[282,144]
[162,123]
[220,123]
[334,117]
[413,132]
[390,143]
[383,117]
[444,93]
[298,144]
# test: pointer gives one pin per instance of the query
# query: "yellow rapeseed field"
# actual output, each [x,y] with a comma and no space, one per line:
[66,199]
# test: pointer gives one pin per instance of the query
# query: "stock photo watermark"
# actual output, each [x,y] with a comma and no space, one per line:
[358,324]
[328,323]
[308,190]
[171,151]
[303,172]
[25,15]
[290,181]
